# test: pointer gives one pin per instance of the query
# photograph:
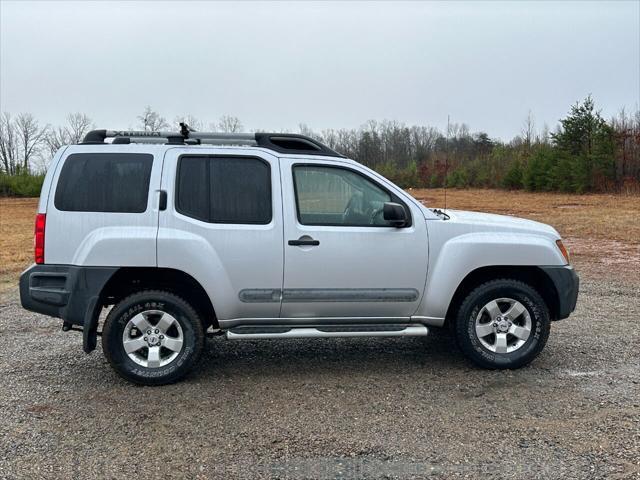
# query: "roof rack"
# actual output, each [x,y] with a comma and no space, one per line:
[279,142]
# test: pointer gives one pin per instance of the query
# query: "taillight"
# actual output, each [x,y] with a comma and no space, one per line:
[38,238]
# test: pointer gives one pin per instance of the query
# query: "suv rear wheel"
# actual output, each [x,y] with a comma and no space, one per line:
[502,324]
[153,337]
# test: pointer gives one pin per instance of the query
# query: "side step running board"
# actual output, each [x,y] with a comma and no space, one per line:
[247,333]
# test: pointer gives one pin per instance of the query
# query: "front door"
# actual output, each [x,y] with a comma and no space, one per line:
[342,259]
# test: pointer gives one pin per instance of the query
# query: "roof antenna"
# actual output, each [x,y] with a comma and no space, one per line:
[446,164]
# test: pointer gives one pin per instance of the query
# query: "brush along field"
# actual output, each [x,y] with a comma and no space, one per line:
[602,232]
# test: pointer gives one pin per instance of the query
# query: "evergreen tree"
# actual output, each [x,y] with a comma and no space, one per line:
[588,140]
[514,177]
[537,176]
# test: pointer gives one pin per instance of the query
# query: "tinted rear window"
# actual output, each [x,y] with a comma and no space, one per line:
[104,182]
[224,189]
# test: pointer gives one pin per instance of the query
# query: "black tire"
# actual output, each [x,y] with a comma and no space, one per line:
[192,332]
[465,324]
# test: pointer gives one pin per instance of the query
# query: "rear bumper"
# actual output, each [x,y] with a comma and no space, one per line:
[68,292]
[567,284]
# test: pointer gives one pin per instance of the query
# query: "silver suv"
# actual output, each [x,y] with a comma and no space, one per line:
[188,234]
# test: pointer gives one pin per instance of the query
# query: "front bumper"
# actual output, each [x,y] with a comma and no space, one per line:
[567,284]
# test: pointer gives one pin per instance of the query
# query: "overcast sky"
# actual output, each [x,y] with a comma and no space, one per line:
[326,64]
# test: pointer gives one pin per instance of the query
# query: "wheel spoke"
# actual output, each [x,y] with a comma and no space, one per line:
[134,344]
[153,360]
[141,323]
[484,329]
[492,309]
[501,343]
[515,311]
[165,322]
[521,332]
[172,343]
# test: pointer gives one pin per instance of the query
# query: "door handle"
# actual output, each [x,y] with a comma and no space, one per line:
[304,241]
[162,200]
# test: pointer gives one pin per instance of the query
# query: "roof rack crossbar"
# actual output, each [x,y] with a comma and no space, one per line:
[279,142]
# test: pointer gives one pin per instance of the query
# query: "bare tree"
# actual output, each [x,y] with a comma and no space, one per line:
[229,124]
[151,121]
[626,131]
[56,137]
[330,137]
[9,144]
[528,131]
[545,135]
[78,125]
[21,140]
[30,136]
[304,129]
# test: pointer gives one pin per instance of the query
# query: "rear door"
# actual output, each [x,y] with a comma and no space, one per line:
[342,259]
[223,226]
[102,209]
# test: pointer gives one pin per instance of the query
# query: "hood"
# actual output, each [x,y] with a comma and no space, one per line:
[489,222]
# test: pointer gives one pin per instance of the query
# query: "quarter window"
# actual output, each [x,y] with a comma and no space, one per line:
[338,196]
[224,189]
[104,182]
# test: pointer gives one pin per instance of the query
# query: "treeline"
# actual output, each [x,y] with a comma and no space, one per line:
[585,153]
[26,146]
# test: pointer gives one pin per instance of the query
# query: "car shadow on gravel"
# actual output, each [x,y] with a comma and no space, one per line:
[437,351]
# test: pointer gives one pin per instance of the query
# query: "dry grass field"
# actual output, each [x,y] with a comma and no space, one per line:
[17,217]
[601,231]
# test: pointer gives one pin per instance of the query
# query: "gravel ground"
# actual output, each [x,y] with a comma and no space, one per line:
[359,408]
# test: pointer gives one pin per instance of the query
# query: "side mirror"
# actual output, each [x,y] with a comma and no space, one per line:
[395,214]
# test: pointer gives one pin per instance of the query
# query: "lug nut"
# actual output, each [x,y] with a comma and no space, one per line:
[161,337]
[148,332]
[145,339]
[157,331]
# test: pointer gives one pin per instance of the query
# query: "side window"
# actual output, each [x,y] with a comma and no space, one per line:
[104,182]
[337,196]
[224,189]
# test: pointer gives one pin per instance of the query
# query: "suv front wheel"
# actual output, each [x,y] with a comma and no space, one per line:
[152,337]
[502,324]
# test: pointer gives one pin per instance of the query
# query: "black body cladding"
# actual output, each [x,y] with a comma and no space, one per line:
[567,284]
[68,292]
